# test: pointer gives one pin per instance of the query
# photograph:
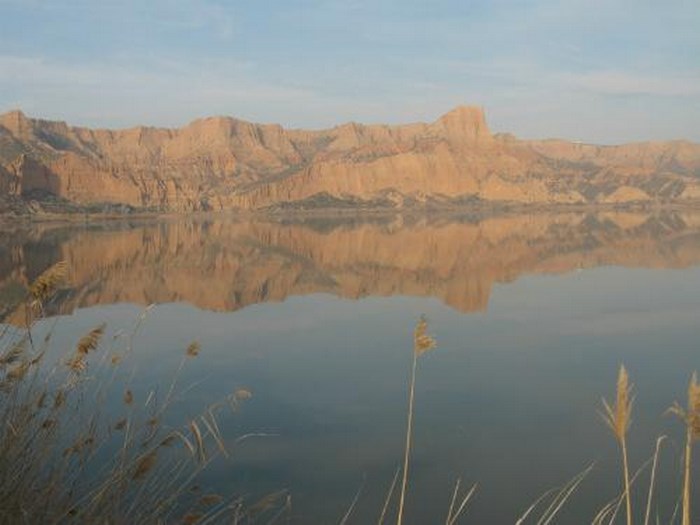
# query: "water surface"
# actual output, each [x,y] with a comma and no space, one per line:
[532,314]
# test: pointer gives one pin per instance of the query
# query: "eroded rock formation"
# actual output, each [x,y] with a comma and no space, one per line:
[224,163]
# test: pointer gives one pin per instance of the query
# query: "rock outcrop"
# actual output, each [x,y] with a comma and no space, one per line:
[225,163]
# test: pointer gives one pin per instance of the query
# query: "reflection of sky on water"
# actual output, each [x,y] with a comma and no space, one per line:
[508,399]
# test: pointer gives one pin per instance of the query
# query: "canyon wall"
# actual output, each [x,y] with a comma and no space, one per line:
[223,163]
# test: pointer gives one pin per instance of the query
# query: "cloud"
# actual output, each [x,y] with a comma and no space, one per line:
[609,82]
[166,92]
[585,69]
[217,19]
[520,96]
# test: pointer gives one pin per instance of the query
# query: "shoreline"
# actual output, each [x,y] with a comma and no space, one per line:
[478,211]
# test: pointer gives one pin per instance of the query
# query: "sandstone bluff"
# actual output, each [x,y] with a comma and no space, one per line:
[223,163]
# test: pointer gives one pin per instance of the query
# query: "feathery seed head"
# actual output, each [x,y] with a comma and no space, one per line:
[144,465]
[691,414]
[91,340]
[14,354]
[618,417]
[422,342]
[77,363]
[193,349]
[242,394]
[45,285]
[210,499]
[694,406]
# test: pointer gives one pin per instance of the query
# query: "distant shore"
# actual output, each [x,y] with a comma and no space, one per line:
[480,210]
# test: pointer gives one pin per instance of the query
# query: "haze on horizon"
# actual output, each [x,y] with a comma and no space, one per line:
[597,71]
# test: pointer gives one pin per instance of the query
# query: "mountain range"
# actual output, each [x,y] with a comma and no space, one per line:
[223,163]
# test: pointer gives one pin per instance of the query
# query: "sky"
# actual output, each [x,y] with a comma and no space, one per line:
[599,71]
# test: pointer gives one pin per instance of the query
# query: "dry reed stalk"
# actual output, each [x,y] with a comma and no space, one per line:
[453,501]
[387,500]
[266,503]
[617,502]
[454,514]
[14,354]
[618,418]
[647,515]
[88,343]
[198,439]
[287,507]
[559,497]
[422,343]
[534,505]
[144,466]
[353,504]
[44,285]
[210,499]
[193,349]
[39,417]
[192,518]
[40,290]
[691,417]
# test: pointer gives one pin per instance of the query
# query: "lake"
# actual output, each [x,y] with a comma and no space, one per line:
[532,314]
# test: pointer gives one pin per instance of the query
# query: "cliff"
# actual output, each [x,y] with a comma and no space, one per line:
[225,163]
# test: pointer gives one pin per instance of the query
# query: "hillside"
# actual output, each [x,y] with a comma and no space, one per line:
[224,163]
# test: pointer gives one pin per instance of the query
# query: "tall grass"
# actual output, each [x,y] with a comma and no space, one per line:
[422,342]
[691,417]
[616,415]
[618,418]
[66,458]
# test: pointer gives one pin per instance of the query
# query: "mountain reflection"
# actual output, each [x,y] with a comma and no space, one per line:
[225,265]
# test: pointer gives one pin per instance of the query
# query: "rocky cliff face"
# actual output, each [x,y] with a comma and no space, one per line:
[224,163]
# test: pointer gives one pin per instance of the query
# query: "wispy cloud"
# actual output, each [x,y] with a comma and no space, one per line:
[218,19]
[587,69]
[618,82]
[169,92]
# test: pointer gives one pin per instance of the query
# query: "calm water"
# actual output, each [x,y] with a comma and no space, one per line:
[532,314]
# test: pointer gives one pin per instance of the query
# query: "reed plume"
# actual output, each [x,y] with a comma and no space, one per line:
[691,417]
[13,354]
[52,426]
[44,285]
[618,418]
[41,290]
[88,343]
[144,465]
[193,349]
[422,343]
[91,340]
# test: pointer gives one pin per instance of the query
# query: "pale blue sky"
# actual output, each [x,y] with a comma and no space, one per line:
[600,71]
